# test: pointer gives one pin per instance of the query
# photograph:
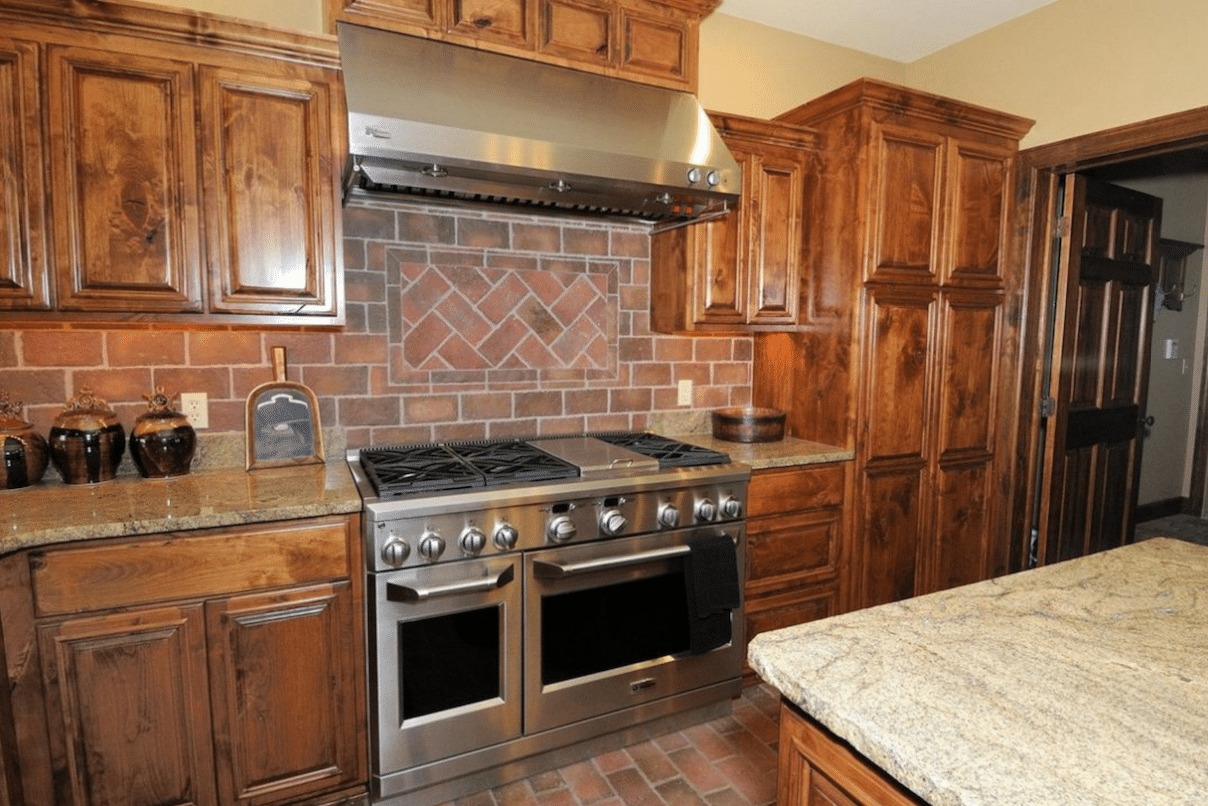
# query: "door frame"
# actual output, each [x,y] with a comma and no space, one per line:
[1038,174]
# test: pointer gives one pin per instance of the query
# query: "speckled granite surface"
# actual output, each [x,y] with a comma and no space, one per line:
[760,455]
[1085,682]
[53,512]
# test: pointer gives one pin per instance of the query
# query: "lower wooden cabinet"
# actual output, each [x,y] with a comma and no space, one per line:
[818,769]
[795,546]
[212,667]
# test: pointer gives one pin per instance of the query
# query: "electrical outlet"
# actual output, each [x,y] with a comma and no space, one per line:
[193,405]
[684,394]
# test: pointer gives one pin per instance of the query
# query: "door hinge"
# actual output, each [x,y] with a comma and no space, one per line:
[1048,407]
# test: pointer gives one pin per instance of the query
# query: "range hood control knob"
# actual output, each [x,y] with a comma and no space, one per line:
[706,510]
[561,529]
[693,176]
[669,515]
[395,551]
[731,508]
[472,541]
[713,179]
[431,546]
[505,537]
[612,522]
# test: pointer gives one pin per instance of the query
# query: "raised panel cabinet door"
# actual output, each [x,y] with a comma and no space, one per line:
[24,273]
[716,259]
[907,212]
[658,47]
[124,171]
[270,193]
[284,693]
[128,708]
[581,30]
[412,15]
[775,213]
[979,192]
[506,21]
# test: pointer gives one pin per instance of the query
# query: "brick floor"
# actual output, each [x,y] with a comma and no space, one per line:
[729,761]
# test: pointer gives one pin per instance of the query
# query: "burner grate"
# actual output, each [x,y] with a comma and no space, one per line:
[669,452]
[403,469]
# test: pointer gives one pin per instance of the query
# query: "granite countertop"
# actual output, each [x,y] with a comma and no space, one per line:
[53,512]
[762,455]
[1083,682]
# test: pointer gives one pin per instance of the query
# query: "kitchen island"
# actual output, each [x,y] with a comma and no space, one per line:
[1083,682]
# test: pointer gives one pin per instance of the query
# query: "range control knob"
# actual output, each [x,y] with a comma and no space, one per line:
[693,176]
[713,179]
[561,529]
[706,510]
[668,516]
[431,546]
[395,551]
[472,540]
[612,522]
[505,537]
[731,508]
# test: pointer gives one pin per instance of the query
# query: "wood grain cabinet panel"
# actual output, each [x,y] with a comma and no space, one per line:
[124,167]
[24,273]
[581,30]
[741,272]
[909,357]
[269,191]
[128,706]
[406,15]
[508,21]
[659,46]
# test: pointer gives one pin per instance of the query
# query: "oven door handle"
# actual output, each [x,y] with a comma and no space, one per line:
[550,570]
[398,592]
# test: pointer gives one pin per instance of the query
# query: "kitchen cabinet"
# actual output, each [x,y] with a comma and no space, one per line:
[216,666]
[795,546]
[650,41]
[742,271]
[818,769]
[906,350]
[190,182]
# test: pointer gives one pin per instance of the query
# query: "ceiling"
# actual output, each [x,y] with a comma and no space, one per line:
[902,30]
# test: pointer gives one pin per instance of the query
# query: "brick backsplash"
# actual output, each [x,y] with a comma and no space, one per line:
[461,324]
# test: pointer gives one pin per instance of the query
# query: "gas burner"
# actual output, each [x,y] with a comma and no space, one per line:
[403,469]
[668,452]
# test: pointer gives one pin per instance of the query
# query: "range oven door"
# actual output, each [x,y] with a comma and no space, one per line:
[608,627]
[446,669]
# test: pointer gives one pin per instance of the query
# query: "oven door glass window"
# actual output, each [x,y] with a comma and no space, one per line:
[609,627]
[450,661]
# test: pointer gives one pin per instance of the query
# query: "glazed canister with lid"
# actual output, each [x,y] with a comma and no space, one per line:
[24,450]
[162,441]
[86,440]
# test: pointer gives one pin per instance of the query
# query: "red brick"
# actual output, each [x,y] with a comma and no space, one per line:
[697,769]
[62,348]
[577,241]
[586,782]
[125,386]
[652,761]
[148,348]
[536,238]
[368,222]
[430,409]
[427,228]
[224,349]
[676,792]
[368,411]
[633,789]
[483,234]
[336,380]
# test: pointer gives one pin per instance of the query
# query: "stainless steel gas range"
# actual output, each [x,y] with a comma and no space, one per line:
[526,596]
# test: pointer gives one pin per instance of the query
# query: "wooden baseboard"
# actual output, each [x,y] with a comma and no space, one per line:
[1161,509]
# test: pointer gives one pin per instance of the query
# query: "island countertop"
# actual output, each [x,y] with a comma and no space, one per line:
[1083,682]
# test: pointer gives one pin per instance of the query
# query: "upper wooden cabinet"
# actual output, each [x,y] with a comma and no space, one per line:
[742,271]
[187,181]
[906,353]
[651,41]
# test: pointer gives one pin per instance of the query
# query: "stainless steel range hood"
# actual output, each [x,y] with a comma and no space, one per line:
[451,123]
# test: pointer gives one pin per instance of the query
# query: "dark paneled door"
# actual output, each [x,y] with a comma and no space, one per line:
[1100,360]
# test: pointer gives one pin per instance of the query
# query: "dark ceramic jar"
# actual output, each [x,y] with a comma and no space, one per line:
[24,450]
[162,441]
[86,440]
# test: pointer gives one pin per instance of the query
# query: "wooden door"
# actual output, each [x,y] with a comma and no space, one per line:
[775,217]
[127,705]
[1092,456]
[24,273]
[580,30]
[269,192]
[283,685]
[123,162]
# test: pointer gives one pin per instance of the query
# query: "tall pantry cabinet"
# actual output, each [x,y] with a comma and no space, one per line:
[908,332]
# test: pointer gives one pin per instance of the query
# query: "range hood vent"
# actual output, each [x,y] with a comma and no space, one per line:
[447,123]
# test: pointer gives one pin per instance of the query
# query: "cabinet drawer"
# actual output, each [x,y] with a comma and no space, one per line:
[187,565]
[789,550]
[796,488]
[797,607]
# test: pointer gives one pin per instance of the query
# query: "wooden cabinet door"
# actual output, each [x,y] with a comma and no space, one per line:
[506,21]
[776,179]
[658,46]
[580,30]
[24,272]
[397,14]
[716,260]
[124,172]
[270,186]
[128,708]
[908,216]
[283,686]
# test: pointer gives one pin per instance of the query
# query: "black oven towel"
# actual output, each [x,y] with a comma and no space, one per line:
[713,591]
